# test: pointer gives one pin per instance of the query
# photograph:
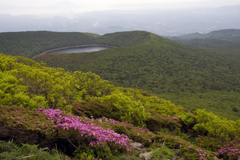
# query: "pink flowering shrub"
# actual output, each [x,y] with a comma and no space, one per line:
[137,134]
[53,123]
[230,151]
[85,128]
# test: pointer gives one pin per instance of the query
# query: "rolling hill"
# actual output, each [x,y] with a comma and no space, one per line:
[29,44]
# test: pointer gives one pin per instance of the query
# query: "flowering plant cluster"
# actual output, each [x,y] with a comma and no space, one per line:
[53,121]
[100,137]
[230,151]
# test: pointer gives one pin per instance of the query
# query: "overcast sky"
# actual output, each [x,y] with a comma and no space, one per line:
[40,6]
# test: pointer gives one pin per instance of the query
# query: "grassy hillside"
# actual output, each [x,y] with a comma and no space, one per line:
[165,68]
[83,117]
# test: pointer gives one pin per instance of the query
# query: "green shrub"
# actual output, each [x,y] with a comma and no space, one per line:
[209,143]
[164,152]
[91,153]
[85,154]
[165,131]
[10,151]
[216,126]
[186,137]
[157,121]
[97,109]
[124,157]
[137,134]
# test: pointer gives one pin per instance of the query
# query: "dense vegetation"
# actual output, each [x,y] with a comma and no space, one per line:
[167,69]
[84,117]
[142,60]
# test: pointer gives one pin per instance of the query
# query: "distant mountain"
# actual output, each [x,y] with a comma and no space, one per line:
[65,17]
[227,41]
[193,36]
[232,35]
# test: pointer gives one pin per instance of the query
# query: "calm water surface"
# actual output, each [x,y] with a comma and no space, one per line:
[80,49]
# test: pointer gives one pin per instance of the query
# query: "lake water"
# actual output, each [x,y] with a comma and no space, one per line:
[80,49]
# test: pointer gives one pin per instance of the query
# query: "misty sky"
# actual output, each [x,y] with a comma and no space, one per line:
[21,7]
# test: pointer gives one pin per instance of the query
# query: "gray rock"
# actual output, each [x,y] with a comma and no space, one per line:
[145,155]
[137,146]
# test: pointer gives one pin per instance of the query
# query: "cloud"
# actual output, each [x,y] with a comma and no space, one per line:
[95,24]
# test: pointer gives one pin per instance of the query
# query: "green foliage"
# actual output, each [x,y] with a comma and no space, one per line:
[219,102]
[10,151]
[84,154]
[188,119]
[186,137]
[163,152]
[124,157]
[35,86]
[89,85]
[216,125]
[158,122]
[137,134]
[165,131]
[97,109]
[129,109]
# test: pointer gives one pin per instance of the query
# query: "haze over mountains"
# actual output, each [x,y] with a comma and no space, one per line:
[68,17]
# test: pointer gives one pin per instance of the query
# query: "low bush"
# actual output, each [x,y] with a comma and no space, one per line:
[10,151]
[124,157]
[163,152]
[96,109]
[209,143]
[157,121]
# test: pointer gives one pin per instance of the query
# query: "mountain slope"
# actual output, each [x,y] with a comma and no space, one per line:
[164,67]
[159,65]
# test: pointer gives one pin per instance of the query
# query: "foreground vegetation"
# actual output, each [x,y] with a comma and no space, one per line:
[84,117]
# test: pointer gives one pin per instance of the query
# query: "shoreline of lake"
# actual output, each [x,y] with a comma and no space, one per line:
[67,47]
